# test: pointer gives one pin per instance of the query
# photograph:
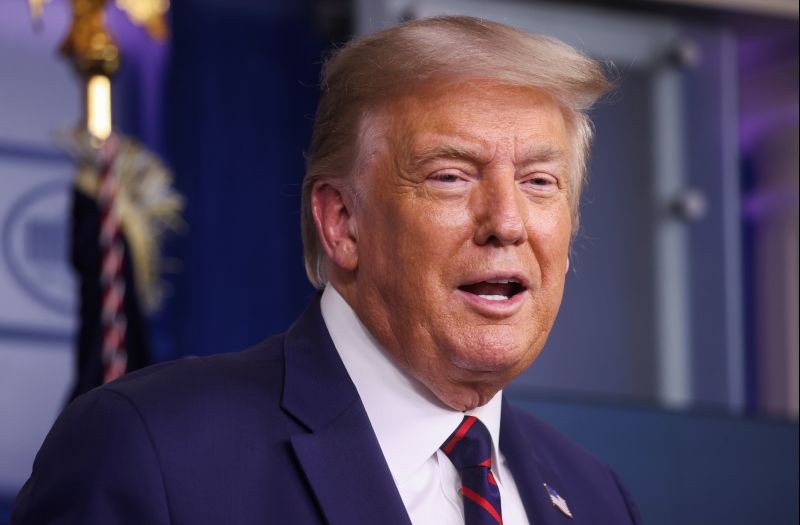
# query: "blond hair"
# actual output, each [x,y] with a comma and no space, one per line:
[369,71]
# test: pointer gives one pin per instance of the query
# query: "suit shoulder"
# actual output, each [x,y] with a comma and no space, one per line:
[590,483]
[591,486]
[553,444]
[205,382]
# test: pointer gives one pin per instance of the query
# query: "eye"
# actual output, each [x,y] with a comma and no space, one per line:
[541,182]
[447,178]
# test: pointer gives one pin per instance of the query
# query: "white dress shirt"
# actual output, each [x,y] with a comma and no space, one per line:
[411,425]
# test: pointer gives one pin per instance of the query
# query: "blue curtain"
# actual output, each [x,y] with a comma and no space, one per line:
[242,87]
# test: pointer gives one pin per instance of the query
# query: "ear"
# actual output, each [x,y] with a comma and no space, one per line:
[335,224]
[566,270]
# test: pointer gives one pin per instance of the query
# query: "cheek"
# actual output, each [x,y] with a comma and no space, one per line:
[429,235]
[397,250]
[550,237]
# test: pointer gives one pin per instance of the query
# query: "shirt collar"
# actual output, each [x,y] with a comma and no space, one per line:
[409,421]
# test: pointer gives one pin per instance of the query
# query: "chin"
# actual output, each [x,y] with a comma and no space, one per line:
[494,352]
[464,397]
[469,375]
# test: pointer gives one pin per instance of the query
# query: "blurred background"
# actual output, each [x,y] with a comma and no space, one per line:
[675,355]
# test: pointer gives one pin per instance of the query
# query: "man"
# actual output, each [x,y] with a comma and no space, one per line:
[440,200]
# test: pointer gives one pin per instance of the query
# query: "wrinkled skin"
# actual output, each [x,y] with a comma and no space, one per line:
[462,184]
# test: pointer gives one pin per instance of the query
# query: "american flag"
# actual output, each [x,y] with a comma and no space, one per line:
[558,501]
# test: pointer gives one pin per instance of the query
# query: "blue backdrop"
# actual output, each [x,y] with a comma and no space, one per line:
[242,86]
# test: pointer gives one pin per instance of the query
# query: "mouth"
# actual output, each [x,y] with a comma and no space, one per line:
[495,289]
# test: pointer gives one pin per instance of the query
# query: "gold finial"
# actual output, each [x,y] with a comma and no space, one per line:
[88,43]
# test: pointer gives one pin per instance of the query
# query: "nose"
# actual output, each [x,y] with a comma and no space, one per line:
[501,212]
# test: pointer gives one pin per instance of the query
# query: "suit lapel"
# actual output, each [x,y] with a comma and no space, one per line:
[347,471]
[340,455]
[529,471]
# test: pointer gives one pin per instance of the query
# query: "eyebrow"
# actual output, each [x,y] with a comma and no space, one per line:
[449,151]
[535,153]
[542,153]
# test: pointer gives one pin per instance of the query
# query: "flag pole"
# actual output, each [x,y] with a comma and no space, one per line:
[115,244]
[95,56]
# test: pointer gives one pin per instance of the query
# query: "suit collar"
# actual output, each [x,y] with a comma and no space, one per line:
[530,470]
[417,423]
[316,388]
[340,455]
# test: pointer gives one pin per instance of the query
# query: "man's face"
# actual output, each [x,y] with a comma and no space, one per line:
[463,234]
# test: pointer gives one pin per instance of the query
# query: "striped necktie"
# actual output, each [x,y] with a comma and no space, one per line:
[470,450]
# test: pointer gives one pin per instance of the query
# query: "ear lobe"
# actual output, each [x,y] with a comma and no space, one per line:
[335,225]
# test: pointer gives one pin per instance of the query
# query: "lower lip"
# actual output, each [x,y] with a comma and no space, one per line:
[492,308]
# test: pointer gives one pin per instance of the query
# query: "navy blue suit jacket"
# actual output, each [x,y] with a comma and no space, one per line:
[274,434]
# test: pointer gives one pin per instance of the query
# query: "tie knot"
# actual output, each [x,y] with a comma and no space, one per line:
[470,445]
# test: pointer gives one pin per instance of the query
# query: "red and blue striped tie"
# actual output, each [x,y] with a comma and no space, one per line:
[470,450]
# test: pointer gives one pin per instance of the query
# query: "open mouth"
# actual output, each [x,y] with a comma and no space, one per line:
[494,289]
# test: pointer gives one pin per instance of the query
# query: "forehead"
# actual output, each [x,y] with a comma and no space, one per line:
[479,119]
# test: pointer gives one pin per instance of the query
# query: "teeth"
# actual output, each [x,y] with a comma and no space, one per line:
[494,297]
[501,281]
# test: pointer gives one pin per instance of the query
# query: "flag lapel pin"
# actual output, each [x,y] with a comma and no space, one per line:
[558,501]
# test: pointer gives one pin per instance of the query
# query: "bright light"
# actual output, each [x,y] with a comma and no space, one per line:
[98,106]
